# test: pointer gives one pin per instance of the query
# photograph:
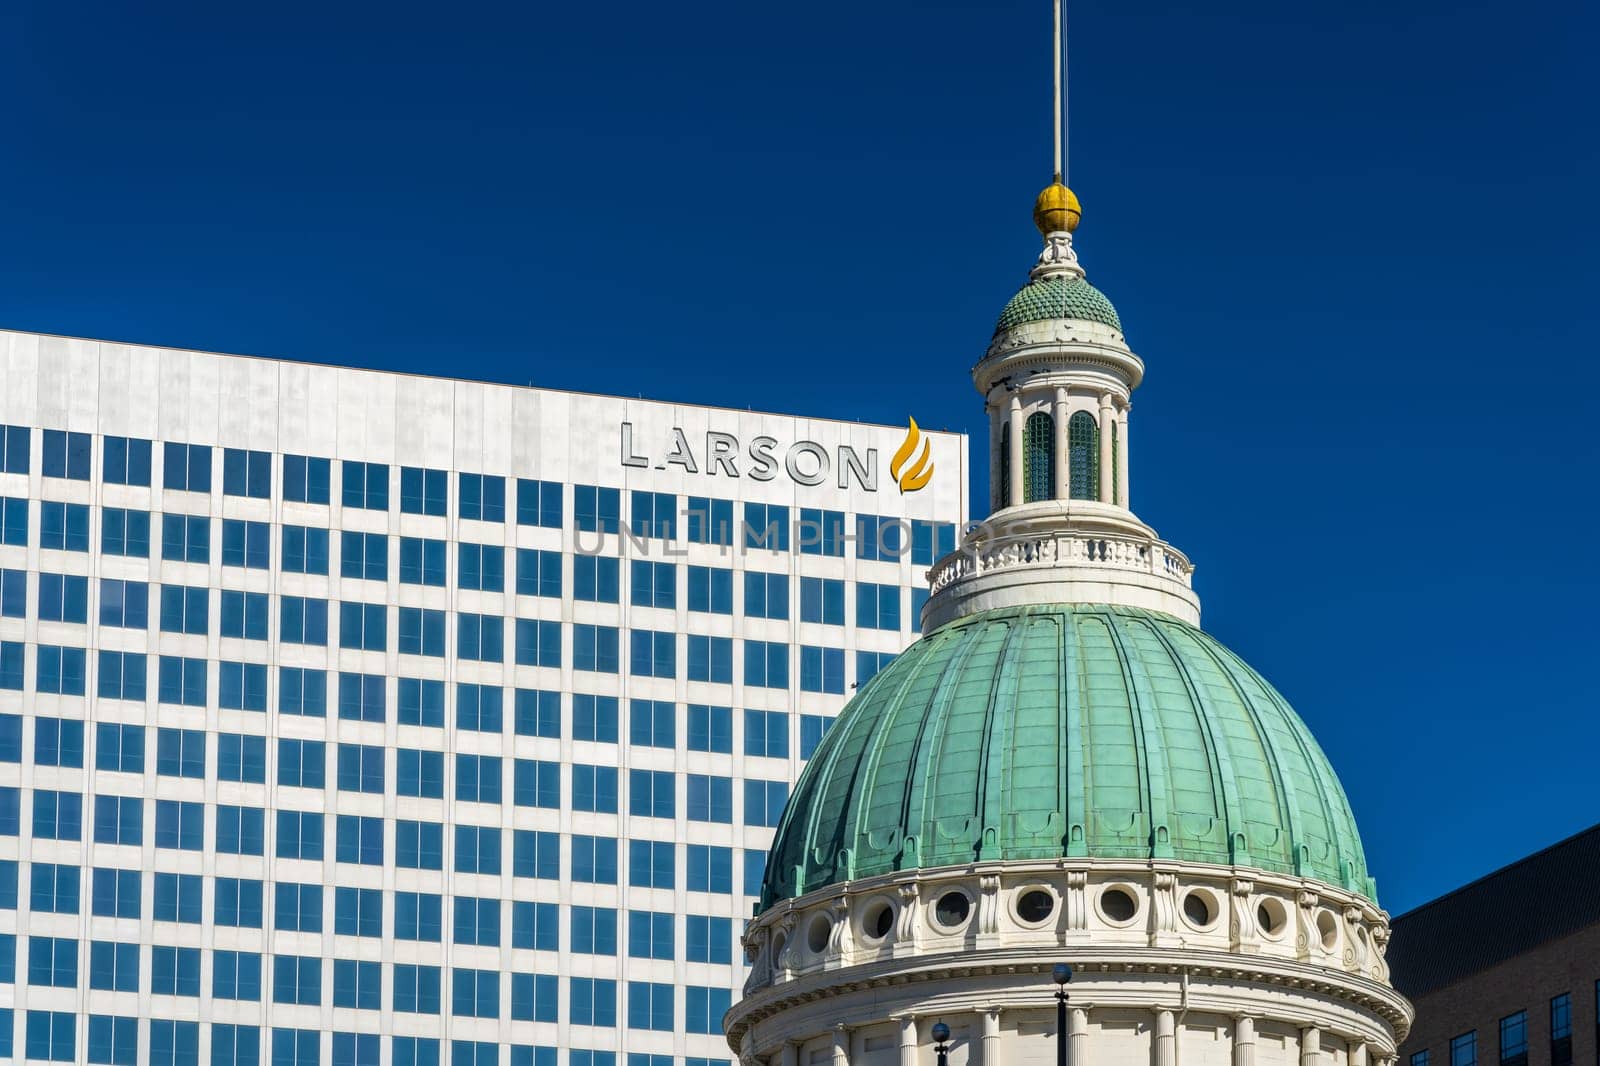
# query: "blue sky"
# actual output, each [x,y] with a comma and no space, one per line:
[1353,243]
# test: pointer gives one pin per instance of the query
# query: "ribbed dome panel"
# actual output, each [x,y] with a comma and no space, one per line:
[1048,731]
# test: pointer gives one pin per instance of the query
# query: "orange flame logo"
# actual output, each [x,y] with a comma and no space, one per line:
[909,475]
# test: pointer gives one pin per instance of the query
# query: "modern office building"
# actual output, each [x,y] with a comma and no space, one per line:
[353,717]
[1505,971]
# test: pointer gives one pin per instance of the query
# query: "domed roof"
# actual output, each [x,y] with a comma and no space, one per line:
[1045,731]
[1058,296]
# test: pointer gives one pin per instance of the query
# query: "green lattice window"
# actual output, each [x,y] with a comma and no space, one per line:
[1005,465]
[1083,456]
[1116,461]
[1038,457]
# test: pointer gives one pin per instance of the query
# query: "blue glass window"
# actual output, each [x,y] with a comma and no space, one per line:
[14,449]
[481,567]
[297,908]
[185,609]
[113,967]
[119,819]
[123,675]
[708,939]
[477,921]
[710,868]
[180,825]
[651,864]
[174,971]
[246,473]
[594,859]
[305,479]
[480,708]
[125,533]
[116,893]
[418,916]
[766,525]
[14,521]
[822,600]
[483,497]
[592,1001]
[421,702]
[186,538]
[711,589]
[710,658]
[305,550]
[181,681]
[302,692]
[650,935]
[654,514]
[124,604]
[365,485]
[703,1008]
[244,614]
[361,768]
[181,753]
[766,595]
[766,664]
[652,723]
[536,783]
[533,925]
[710,521]
[821,669]
[710,798]
[877,606]
[63,598]
[58,742]
[539,503]
[595,578]
[419,773]
[364,556]
[596,510]
[236,975]
[239,903]
[533,999]
[650,1006]
[812,729]
[422,562]
[710,728]
[62,526]
[66,454]
[535,853]
[653,654]
[362,697]
[126,461]
[763,801]
[652,793]
[424,491]
[538,572]
[416,988]
[480,637]
[186,467]
[766,733]
[820,532]
[419,845]
[363,626]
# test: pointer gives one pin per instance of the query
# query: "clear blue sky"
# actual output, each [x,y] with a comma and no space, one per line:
[1354,243]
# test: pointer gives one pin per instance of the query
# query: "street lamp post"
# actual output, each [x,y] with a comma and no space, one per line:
[1061,974]
[941,1042]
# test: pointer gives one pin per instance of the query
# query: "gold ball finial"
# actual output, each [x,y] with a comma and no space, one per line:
[1056,209]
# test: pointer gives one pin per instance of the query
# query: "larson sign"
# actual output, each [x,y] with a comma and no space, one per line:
[805,462]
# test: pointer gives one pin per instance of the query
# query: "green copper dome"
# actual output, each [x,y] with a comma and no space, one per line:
[1046,731]
[1058,297]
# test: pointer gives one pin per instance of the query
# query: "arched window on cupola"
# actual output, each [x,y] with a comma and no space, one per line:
[1004,495]
[1083,456]
[1038,457]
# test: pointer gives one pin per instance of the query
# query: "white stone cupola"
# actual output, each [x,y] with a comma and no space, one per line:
[1057,382]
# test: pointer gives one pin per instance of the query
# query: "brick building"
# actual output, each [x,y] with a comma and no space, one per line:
[1505,971]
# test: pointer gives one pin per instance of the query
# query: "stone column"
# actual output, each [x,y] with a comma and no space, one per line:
[908,1041]
[1106,472]
[1122,456]
[1166,1039]
[841,1045]
[1077,1037]
[1244,1042]
[791,1054]
[1015,418]
[1311,1046]
[1063,486]
[1358,1053]
[991,1036]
